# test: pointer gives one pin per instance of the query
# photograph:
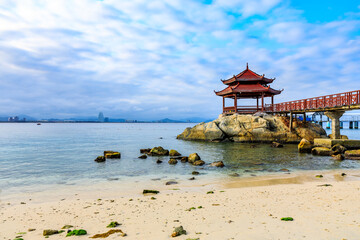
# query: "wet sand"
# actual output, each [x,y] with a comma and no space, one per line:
[239,208]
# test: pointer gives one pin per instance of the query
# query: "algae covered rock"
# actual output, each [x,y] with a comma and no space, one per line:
[76,233]
[142,156]
[352,154]
[174,153]
[146,191]
[193,157]
[321,151]
[305,146]
[338,149]
[159,151]
[338,157]
[145,150]
[344,137]
[217,164]
[112,155]
[100,159]
[48,232]
[178,231]
[113,224]
[173,161]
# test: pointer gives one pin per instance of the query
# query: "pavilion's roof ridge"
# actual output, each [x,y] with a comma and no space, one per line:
[248,76]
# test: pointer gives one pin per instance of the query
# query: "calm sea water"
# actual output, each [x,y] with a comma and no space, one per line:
[32,156]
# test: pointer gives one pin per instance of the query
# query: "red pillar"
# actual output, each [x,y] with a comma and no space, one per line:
[257,103]
[272,103]
[223,104]
[262,102]
[235,102]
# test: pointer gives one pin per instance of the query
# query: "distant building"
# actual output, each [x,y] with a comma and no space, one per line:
[13,119]
[106,119]
[101,117]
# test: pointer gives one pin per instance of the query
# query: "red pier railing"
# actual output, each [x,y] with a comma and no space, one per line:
[329,101]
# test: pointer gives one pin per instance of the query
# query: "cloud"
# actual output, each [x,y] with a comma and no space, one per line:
[154,59]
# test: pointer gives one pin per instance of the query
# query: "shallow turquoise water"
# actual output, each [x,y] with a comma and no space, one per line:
[63,153]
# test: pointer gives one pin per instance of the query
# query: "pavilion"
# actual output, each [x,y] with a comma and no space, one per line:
[248,85]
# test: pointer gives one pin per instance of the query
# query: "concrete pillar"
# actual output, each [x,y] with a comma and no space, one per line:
[335,123]
[291,121]
[356,123]
[351,125]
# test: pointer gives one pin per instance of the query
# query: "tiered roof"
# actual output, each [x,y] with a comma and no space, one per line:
[248,76]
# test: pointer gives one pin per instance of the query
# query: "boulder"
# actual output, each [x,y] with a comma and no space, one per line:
[198,163]
[276,145]
[143,156]
[338,157]
[195,173]
[158,161]
[173,161]
[193,157]
[184,159]
[217,164]
[112,154]
[305,146]
[338,149]
[321,151]
[249,128]
[174,153]
[352,154]
[100,159]
[159,151]
[145,150]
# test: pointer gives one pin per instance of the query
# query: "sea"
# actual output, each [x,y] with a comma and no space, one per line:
[37,157]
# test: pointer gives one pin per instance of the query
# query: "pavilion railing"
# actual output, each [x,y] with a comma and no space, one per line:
[247,109]
[329,101]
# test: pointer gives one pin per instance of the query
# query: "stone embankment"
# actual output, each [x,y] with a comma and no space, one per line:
[250,128]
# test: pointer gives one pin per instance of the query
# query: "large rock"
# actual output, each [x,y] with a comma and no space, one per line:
[159,151]
[193,157]
[305,146]
[321,151]
[217,164]
[353,154]
[338,149]
[249,128]
[112,154]
[174,153]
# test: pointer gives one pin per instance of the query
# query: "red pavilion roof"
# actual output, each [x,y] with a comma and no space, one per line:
[248,89]
[248,76]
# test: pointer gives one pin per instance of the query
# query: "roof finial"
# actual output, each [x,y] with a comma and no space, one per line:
[247,66]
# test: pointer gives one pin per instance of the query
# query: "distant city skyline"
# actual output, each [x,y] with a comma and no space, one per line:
[163,59]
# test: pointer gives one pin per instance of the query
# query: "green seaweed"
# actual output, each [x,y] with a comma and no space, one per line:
[210,192]
[113,224]
[287,219]
[76,233]
[150,191]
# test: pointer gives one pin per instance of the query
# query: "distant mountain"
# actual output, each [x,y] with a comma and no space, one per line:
[167,120]
[196,120]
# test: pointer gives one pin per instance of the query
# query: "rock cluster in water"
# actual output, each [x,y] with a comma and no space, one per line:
[251,128]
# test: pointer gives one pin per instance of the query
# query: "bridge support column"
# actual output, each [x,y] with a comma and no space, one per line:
[335,123]
[351,123]
[304,119]
[291,122]
[356,123]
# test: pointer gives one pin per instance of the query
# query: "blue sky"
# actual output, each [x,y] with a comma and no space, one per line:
[146,60]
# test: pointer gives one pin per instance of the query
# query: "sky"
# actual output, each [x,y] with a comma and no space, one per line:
[141,59]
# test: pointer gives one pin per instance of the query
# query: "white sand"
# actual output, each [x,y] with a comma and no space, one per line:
[249,208]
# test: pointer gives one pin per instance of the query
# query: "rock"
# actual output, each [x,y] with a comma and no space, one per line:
[173,161]
[305,146]
[31,229]
[343,174]
[338,149]
[193,157]
[249,128]
[143,156]
[178,231]
[192,178]
[184,159]
[67,226]
[234,174]
[48,232]
[76,232]
[158,161]
[171,183]
[217,164]
[321,151]
[341,136]
[145,150]
[174,153]
[338,157]
[276,145]
[352,154]
[100,159]
[195,173]
[113,224]
[198,163]
[150,191]
[112,155]
[159,151]
[284,170]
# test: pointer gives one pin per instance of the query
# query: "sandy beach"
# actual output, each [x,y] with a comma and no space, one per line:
[238,208]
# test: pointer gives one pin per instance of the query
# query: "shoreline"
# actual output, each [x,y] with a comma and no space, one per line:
[240,208]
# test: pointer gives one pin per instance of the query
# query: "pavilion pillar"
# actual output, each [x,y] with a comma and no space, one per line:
[272,103]
[262,102]
[257,103]
[235,102]
[223,104]
[335,123]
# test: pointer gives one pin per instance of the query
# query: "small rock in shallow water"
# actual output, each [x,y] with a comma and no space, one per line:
[184,159]
[284,170]
[173,161]
[145,150]
[192,178]
[193,157]
[276,145]
[217,164]
[178,231]
[171,183]
[338,157]
[343,174]
[143,156]
[100,159]
[198,163]
[234,174]
[112,155]
[195,173]
[158,161]
[174,153]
